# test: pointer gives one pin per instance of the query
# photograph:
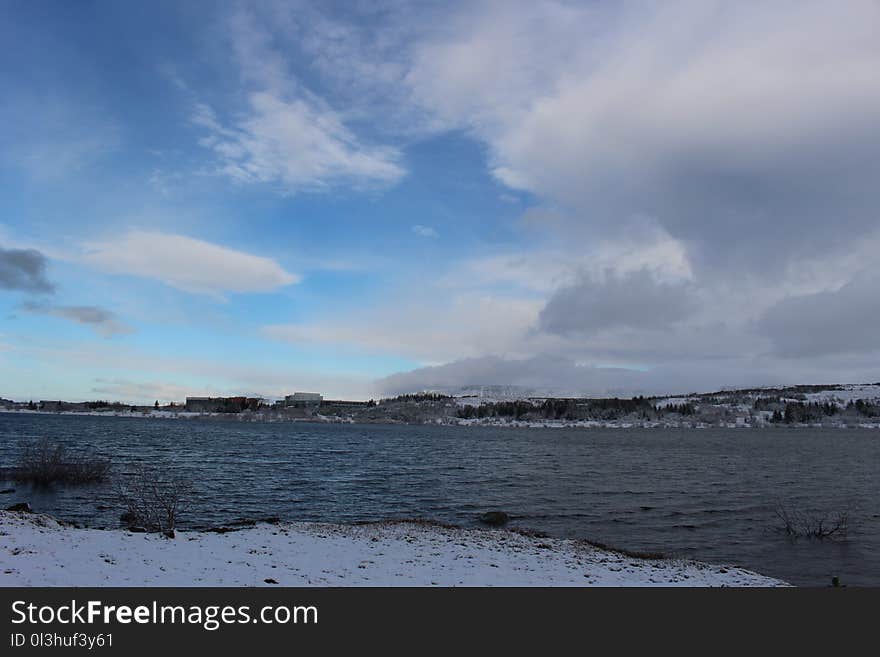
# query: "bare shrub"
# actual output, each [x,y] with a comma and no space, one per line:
[801,524]
[43,463]
[152,501]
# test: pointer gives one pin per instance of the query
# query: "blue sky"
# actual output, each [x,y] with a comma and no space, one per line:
[367,198]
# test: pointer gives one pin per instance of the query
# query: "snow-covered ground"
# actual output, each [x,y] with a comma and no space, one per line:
[35,550]
[848,393]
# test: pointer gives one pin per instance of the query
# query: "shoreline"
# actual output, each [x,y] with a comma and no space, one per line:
[515,424]
[38,550]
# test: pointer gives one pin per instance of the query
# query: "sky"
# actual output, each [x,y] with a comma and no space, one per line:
[374,197]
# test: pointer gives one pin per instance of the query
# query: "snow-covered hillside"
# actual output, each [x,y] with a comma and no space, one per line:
[847,393]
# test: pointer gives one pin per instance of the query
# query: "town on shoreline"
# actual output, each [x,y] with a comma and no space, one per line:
[830,406]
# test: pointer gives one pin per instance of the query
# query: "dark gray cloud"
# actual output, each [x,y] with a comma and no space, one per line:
[24,270]
[833,322]
[101,320]
[633,300]
[807,202]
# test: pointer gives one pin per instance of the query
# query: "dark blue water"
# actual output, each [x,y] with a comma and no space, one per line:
[707,494]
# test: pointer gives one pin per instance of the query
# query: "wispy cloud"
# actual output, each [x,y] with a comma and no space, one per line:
[55,138]
[144,391]
[285,134]
[298,144]
[101,320]
[424,231]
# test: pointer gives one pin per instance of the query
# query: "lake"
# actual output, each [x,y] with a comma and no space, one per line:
[708,494]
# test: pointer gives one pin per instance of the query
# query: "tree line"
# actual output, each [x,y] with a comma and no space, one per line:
[611,408]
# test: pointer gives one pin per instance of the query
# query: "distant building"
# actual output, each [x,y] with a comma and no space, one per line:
[343,405]
[303,399]
[222,404]
[202,404]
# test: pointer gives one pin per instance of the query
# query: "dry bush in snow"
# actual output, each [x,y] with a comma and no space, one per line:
[152,501]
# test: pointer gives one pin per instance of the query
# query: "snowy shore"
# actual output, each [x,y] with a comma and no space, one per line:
[745,421]
[36,550]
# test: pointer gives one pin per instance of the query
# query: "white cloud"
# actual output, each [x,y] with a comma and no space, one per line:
[536,271]
[493,305]
[543,270]
[424,231]
[716,118]
[444,328]
[187,264]
[583,89]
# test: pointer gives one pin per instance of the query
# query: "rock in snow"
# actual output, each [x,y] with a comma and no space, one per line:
[495,518]
[36,550]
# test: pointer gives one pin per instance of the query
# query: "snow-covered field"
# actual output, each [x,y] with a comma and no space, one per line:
[848,393]
[35,550]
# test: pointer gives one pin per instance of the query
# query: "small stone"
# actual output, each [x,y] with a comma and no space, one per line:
[22,507]
[495,518]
